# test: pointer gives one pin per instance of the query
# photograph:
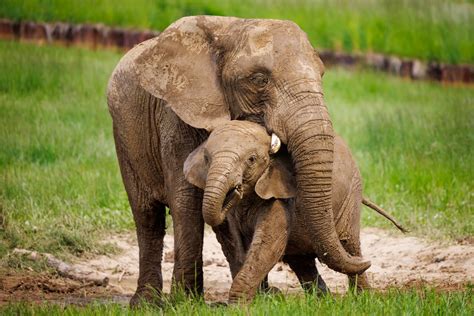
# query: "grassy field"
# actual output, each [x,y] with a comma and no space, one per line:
[427,29]
[395,302]
[61,188]
[60,184]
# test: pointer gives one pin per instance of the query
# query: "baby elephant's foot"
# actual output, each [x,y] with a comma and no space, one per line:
[318,288]
[265,288]
[218,304]
[271,290]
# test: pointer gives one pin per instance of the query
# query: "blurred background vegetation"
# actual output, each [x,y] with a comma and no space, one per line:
[440,30]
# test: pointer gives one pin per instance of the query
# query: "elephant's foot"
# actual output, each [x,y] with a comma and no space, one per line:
[359,283]
[146,295]
[319,288]
[316,287]
[245,297]
[218,304]
[265,288]
[305,269]
[271,290]
[241,297]
[188,281]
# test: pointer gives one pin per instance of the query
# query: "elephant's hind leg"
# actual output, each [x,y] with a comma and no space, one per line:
[307,273]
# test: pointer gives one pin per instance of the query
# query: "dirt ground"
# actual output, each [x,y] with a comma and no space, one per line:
[397,261]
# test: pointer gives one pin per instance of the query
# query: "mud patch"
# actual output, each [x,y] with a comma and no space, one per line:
[38,288]
[397,261]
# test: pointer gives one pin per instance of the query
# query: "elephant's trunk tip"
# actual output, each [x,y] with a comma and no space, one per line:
[357,265]
[215,214]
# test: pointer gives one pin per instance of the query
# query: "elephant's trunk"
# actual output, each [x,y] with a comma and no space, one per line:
[222,191]
[311,143]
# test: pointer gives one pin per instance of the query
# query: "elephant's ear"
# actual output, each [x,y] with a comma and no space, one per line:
[195,167]
[278,180]
[180,67]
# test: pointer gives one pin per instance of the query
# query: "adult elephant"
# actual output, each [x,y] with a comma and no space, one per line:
[167,93]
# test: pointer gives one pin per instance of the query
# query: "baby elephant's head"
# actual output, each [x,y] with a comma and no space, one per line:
[236,160]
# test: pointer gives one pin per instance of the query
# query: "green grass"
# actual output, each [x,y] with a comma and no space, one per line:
[427,29]
[61,188]
[395,302]
[60,185]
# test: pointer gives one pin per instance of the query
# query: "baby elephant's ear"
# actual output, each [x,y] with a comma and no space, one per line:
[195,167]
[278,180]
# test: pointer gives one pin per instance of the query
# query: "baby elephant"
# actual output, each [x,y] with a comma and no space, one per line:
[249,193]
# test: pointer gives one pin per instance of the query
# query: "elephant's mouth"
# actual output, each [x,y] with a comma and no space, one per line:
[232,198]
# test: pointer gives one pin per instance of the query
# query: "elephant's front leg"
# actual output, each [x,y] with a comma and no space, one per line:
[267,247]
[305,269]
[149,216]
[188,226]
[235,252]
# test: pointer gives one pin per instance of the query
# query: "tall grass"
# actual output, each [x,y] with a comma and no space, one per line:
[60,186]
[427,29]
[395,302]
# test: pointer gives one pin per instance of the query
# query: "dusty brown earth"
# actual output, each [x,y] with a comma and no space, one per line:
[397,261]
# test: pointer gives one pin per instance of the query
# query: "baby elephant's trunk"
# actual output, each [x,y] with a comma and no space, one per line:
[221,193]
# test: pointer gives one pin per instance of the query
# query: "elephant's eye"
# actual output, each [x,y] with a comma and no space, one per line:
[259,79]
[252,159]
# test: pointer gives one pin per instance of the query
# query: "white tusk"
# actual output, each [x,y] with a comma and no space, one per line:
[275,145]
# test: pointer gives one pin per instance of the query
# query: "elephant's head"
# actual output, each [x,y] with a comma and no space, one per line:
[233,162]
[212,69]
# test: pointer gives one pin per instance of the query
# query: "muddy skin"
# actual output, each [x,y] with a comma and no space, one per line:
[167,93]
[262,226]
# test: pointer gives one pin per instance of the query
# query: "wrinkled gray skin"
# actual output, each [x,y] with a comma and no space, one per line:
[260,217]
[167,93]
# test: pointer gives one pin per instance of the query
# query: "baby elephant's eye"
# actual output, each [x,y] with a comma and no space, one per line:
[259,79]
[252,159]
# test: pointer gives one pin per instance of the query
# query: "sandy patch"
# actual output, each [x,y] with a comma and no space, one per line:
[397,261]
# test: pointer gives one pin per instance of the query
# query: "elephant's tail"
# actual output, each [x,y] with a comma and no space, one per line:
[381,211]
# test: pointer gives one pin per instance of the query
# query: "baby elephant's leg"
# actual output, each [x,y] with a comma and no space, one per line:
[267,247]
[305,268]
